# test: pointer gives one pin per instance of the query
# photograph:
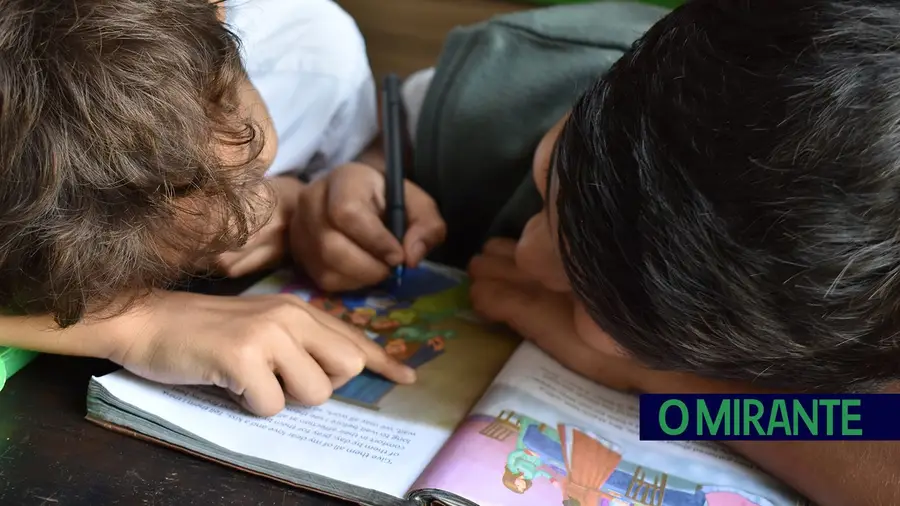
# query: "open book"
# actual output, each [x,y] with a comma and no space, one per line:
[491,421]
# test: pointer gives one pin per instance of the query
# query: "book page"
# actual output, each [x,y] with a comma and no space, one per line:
[373,434]
[544,435]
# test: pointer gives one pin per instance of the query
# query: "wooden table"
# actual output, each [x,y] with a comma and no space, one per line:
[51,456]
[404,36]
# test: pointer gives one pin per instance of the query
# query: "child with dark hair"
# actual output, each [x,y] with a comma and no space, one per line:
[719,210]
[134,148]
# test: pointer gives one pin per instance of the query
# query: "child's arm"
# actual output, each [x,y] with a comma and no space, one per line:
[512,460]
[40,333]
[237,343]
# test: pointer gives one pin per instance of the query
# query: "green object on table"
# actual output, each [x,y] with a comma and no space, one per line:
[671,4]
[12,360]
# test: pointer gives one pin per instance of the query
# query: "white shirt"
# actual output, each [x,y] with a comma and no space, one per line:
[308,61]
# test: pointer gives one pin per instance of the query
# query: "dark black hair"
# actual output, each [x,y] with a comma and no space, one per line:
[729,193]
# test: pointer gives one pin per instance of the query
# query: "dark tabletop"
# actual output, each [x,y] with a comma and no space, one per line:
[51,456]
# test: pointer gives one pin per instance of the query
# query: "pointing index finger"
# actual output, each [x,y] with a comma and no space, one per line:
[377,359]
[379,362]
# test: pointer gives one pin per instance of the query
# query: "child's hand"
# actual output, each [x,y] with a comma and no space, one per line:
[501,292]
[338,235]
[257,347]
[267,247]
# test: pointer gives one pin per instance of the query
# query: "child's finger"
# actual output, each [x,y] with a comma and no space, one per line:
[497,268]
[379,362]
[526,308]
[427,228]
[303,376]
[259,392]
[500,246]
[375,357]
[532,312]
[339,357]
[547,319]
[349,260]
[420,240]
[263,257]
[361,222]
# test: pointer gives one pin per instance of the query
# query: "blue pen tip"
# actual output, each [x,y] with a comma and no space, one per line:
[398,275]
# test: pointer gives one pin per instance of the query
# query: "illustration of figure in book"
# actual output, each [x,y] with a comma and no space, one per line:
[589,470]
[401,319]
[540,450]
[537,445]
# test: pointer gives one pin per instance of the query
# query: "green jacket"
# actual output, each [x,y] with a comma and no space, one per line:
[498,87]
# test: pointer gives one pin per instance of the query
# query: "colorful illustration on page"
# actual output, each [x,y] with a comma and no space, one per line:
[532,463]
[403,319]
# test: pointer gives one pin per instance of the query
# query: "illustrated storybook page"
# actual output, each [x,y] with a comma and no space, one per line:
[542,435]
[374,435]
[491,421]
[425,322]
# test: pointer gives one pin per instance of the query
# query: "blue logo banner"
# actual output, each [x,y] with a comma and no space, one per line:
[773,417]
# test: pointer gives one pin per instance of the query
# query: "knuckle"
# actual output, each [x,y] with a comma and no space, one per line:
[476,266]
[331,248]
[280,302]
[440,230]
[245,354]
[330,281]
[284,299]
[283,308]
[352,365]
[345,212]
[431,205]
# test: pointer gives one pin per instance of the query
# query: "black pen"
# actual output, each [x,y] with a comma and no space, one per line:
[392,131]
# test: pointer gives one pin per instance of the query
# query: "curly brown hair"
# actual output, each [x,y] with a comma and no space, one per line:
[111,118]
[509,481]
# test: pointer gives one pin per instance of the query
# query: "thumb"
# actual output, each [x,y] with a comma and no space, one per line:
[426,227]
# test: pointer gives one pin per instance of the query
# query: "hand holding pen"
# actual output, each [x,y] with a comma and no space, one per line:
[344,233]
